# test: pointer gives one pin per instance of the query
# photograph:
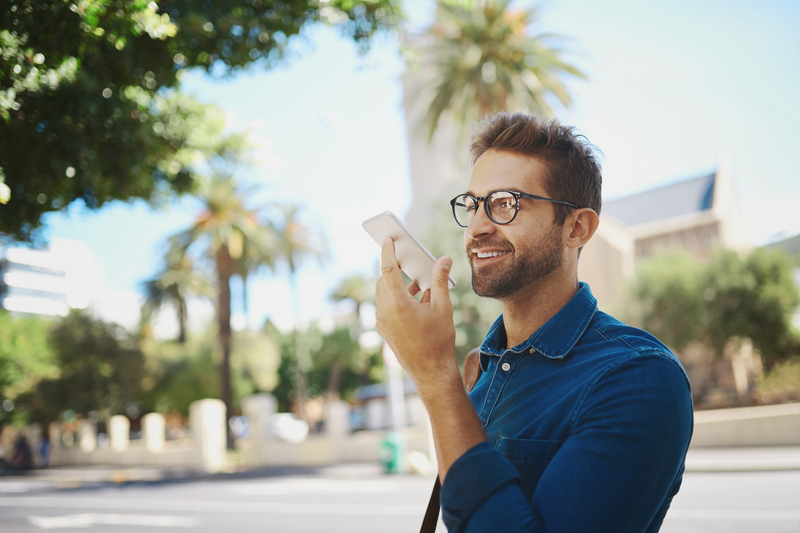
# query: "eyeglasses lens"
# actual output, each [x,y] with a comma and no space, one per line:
[464,209]
[502,207]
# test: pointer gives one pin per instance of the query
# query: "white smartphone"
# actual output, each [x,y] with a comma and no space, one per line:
[412,256]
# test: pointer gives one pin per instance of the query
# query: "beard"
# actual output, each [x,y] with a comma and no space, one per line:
[527,264]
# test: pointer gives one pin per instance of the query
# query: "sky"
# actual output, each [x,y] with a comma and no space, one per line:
[671,89]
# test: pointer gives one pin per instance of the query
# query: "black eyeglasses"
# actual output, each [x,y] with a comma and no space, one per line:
[501,206]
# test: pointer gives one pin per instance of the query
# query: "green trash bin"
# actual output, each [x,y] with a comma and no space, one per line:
[391,453]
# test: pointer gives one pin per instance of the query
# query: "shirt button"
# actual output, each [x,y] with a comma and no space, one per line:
[506,367]
[533,351]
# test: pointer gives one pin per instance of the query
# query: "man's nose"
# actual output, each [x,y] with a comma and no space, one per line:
[481,224]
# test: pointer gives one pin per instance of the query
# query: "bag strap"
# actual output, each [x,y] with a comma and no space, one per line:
[471,372]
[432,512]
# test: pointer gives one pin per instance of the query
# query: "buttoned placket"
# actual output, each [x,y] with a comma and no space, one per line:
[501,366]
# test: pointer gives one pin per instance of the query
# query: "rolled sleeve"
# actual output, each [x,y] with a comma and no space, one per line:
[475,477]
[617,471]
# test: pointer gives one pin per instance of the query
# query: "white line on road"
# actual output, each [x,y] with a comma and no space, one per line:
[90,519]
[731,514]
[316,486]
[213,506]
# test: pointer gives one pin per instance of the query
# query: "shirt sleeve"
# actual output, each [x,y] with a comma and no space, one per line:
[617,470]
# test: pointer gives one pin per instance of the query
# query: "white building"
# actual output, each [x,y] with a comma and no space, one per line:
[696,215]
[52,281]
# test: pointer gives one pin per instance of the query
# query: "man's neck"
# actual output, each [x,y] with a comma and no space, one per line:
[529,308]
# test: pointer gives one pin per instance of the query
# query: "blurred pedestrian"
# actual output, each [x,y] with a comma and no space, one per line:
[23,455]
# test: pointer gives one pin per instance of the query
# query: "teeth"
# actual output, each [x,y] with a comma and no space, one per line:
[484,255]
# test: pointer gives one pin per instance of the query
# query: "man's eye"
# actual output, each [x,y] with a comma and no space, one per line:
[504,203]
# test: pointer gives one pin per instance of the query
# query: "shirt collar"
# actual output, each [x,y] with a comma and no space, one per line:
[556,338]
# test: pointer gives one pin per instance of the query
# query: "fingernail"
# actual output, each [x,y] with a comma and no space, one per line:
[447,263]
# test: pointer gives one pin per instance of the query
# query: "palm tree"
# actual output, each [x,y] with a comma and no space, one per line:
[358,289]
[479,57]
[175,283]
[295,243]
[236,241]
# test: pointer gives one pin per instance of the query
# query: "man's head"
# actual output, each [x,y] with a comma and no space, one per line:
[543,159]
[573,172]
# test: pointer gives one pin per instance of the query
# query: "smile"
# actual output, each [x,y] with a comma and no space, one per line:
[485,255]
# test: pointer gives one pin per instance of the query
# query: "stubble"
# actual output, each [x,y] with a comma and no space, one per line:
[527,264]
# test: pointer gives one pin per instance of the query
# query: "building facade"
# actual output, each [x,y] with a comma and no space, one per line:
[696,215]
[49,282]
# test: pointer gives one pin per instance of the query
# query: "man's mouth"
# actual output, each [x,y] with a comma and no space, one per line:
[493,253]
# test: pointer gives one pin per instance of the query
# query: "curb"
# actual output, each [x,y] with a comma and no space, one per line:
[743,459]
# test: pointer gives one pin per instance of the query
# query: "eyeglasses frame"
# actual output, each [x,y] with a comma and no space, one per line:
[516,194]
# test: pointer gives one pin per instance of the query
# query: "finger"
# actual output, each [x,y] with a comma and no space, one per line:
[426,297]
[390,270]
[440,283]
[413,288]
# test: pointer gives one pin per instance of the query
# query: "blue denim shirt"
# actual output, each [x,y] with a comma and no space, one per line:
[588,424]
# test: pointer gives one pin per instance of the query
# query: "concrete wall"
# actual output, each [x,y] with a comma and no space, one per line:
[336,445]
[770,425]
[264,446]
[206,448]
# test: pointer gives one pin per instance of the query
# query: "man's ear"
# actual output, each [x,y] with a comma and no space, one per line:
[582,225]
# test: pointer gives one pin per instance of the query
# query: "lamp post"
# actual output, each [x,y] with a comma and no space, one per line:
[395,443]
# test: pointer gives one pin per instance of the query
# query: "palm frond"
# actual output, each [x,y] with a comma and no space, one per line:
[526,71]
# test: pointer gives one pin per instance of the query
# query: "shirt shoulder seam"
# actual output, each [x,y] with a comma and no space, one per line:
[634,355]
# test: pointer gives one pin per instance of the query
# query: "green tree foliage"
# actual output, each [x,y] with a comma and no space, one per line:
[84,104]
[179,374]
[756,298]
[100,368]
[358,289]
[297,242]
[25,355]
[668,299]
[682,301]
[174,284]
[356,366]
[781,384]
[479,56]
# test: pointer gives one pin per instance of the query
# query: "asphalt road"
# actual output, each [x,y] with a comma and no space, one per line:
[349,499]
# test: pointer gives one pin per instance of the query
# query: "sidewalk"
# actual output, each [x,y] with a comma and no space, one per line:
[65,478]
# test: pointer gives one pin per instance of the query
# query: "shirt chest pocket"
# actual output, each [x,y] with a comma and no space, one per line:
[530,458]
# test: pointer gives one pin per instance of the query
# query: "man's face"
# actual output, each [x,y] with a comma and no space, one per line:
[506,258]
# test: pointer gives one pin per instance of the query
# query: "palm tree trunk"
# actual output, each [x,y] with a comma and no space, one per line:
[302,360]
[225,271]
[182,320]
[334,378]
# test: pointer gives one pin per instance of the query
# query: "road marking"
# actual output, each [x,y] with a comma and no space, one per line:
[316,486]
[90,519]
[731,514]
[201,506]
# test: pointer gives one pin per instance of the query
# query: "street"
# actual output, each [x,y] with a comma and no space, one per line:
[348,498]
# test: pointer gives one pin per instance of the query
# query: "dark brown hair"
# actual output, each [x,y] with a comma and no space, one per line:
[573,169]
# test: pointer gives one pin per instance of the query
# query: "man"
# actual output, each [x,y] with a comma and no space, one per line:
[578,423]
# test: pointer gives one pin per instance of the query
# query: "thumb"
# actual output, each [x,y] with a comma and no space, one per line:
[440,283]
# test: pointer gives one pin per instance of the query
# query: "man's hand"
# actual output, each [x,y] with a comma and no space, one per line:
[422,336]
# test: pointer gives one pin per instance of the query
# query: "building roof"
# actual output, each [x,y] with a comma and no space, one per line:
[790,245]
[674,200]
